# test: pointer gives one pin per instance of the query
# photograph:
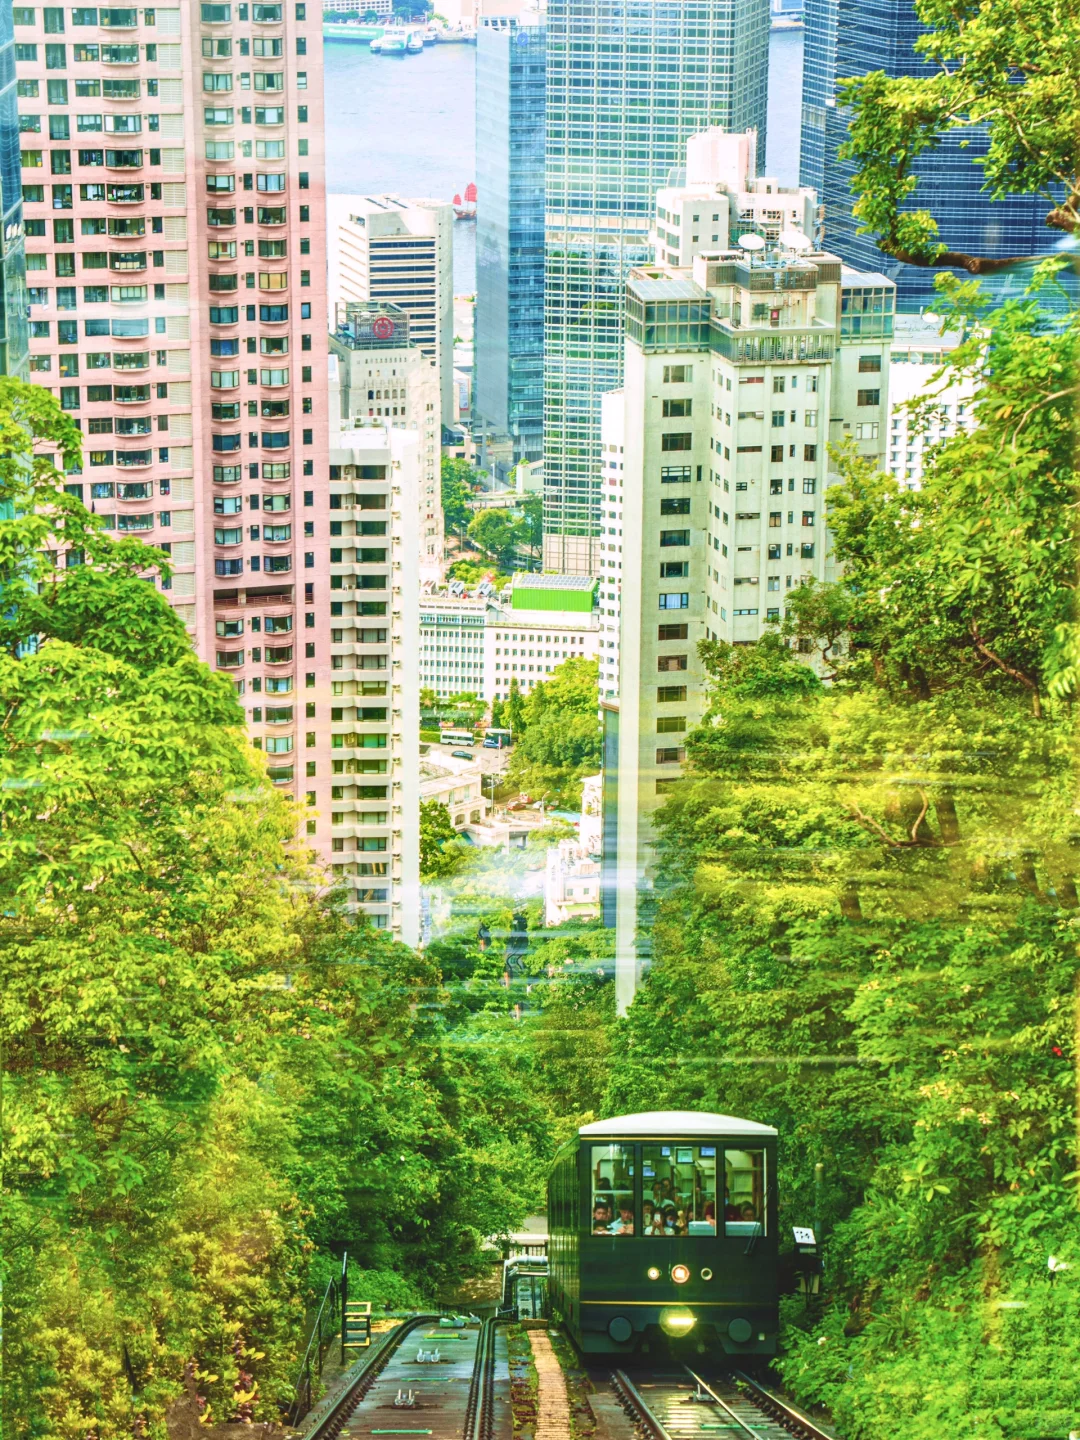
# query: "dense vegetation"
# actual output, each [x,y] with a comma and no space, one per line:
[212,1082]
[870,935]
[557,736]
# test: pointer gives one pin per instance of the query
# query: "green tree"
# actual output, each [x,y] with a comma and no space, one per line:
[531,526]
[515,709]
[561,736]
[1007,66]
[458,483]
[497,533]
[497,719]
[440,854]
[211,1076]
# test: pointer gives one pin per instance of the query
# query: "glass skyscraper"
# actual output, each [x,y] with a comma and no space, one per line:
[14,311]
[853,37]
[509,335]
[628,81]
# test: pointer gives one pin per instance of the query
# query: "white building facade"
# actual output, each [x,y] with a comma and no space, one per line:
[738,375]
[375,691]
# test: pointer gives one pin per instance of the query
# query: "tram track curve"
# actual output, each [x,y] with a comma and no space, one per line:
[682,1405]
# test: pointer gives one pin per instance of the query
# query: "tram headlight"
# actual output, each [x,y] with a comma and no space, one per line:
[653,1272]
[680,1274]
[676,1321]
[706,1274]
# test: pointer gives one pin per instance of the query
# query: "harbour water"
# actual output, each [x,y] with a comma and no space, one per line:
[407,125]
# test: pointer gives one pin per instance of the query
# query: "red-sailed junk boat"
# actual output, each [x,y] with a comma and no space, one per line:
[466,209]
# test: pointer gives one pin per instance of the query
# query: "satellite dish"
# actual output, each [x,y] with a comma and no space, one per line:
[751,242]
[795,240]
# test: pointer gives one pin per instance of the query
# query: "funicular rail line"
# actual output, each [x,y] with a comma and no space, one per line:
[681,1405]
[430,1399]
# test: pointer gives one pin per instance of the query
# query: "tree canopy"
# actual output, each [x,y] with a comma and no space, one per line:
[1008,65]
[557,733]
[214,1079]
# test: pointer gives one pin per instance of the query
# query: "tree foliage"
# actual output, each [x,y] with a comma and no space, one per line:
[458,484]
[558,736]
[212,1078]
[1009,65]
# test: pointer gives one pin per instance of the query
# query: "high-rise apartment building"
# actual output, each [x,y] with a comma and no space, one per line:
[173,191]
[739,372]
[374,699]
[508,340]
[386,381]
[385,250]
[845,38]
[13,301]
[626,86]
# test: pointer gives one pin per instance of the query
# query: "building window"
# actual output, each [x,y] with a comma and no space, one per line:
[869,397]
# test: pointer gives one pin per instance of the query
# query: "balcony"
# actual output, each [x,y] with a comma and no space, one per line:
[134,459]
[128,260]
[118,18]
[134,489]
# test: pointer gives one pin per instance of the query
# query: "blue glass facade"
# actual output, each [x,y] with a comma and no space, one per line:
[628,81]
[508,400]
[853,37]
[14,310]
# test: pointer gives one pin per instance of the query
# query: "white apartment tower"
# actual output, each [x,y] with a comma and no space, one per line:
[739,372]
[383,249]
[385,380]
[375,687]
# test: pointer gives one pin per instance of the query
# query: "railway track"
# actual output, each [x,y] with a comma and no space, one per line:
[419,1382]
[682,1405]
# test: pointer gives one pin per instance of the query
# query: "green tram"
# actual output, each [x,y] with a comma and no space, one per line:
[663,1227]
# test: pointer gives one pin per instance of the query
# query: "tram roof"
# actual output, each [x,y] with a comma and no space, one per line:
[675,1124]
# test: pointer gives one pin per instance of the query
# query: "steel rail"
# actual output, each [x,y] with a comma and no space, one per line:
[632,1397]
[704,1385]
[330,1424]
[479,1413]
[781,1411]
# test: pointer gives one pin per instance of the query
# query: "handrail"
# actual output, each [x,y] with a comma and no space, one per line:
[333,1298]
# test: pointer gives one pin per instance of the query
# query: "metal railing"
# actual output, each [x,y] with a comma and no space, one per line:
[327,1326]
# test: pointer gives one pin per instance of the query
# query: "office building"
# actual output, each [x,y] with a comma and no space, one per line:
[14,333]
[173,194]
[385,380]
[626,87]
[739,373]
[374,699]
[845,38]
[385,250]
[508,393]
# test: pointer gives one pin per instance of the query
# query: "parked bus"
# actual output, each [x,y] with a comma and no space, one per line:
[457,737]
[496,739]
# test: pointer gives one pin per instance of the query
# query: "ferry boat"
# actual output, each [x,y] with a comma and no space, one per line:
[396,41]
[466,209]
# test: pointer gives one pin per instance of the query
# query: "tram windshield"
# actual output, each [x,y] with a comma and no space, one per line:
[679,1190]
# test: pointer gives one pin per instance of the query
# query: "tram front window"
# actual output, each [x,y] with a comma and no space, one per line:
[678,1189]
[744,1192]
[612,1190]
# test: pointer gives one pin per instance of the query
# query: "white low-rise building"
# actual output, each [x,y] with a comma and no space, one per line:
[571,884]
[457,784]
[477,646]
